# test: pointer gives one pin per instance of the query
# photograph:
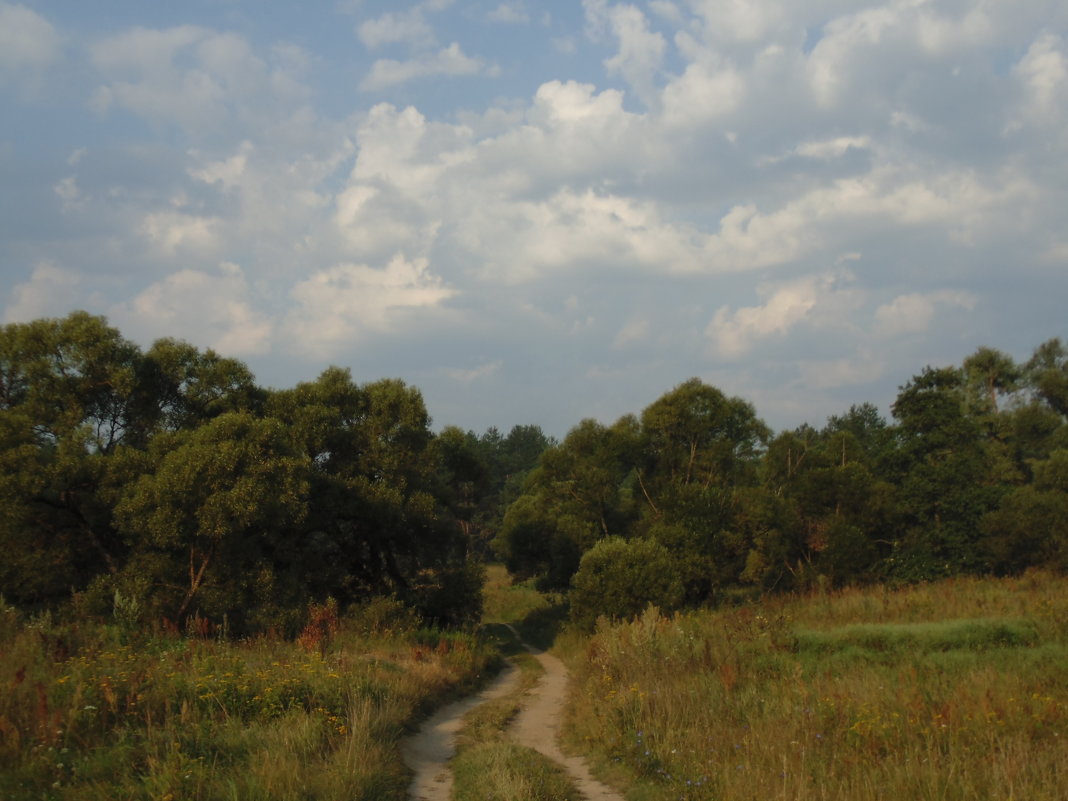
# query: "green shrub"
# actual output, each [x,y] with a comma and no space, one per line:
[619,578]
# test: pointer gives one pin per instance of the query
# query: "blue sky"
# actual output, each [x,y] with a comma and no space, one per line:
[540,212]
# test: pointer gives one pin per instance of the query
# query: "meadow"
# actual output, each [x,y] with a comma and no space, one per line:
[950,690]
[93,711]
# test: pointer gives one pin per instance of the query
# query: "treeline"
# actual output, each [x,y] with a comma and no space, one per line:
[166,485]
[696,497]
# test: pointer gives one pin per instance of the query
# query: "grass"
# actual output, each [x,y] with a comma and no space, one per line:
[953,690]
[99,712]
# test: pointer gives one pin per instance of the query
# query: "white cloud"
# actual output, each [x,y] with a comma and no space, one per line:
[408,28]
[68,192]
[845,39]
[450,61]
[525,241]
[705,92]
[51,291]
[914,313]
[174,231]
[833,148]
[637,329]
[853,370]
[667,10]
[514,13]
[814,300]
[1043,71]
[197,78]
[227,172]
[27,40]
[640,51]
[207,309]
[337,306]
[729,166]
[740,20]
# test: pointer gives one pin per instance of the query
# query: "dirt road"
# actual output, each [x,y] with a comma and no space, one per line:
[537,725]
[428,751]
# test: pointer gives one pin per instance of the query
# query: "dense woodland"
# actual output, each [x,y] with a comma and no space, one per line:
[166,486]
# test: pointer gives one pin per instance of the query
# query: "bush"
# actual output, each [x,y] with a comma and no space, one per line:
[619,578]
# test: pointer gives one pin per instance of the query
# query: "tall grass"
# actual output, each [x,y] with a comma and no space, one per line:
[97,712]
[954,690]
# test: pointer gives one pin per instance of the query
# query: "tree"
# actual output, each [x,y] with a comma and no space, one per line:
[695,433]
[942,472]
[1046,373]
[989,373]
[189,387]
[213,521]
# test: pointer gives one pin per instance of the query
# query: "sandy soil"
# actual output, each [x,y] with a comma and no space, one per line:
[428,751]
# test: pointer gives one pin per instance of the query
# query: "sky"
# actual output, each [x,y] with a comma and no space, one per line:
[540,212]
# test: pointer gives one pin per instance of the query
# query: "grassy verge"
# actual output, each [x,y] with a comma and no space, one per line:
[487,766]
[93,712]
[955,690]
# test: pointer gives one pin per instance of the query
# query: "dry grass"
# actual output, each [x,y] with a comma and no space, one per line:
[954,690]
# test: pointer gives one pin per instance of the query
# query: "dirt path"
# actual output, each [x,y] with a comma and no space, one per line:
[537,725]
[428,751]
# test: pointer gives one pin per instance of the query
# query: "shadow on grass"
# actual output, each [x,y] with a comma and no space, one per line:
[538,628]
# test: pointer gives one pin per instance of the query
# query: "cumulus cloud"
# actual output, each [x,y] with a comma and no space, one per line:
[1043,72]
[513,13]
[197,78]
[641,51]
[51,291]
[209,309]
[450,61]
[336,306]
[914,313]
[171,232]
[732,333]
[409,27]
[637,329]
[27,40]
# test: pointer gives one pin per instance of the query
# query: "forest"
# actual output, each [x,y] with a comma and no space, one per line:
[165,486]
